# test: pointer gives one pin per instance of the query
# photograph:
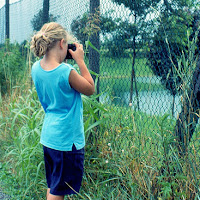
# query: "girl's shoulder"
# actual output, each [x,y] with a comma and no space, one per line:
[62,68]
[35,67]
[36,64]
[66,65]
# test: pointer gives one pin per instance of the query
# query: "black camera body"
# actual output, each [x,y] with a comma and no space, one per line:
[73,48]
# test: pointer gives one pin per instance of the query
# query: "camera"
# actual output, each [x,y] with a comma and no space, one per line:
[73,48]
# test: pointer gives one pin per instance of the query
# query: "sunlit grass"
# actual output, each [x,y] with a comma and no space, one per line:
[122,67]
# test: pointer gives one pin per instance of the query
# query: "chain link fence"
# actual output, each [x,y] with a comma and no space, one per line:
[140,47]
[146,57]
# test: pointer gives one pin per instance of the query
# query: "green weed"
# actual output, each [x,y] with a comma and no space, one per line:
[12,66]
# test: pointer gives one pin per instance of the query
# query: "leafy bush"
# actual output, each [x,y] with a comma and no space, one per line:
[12,66]
[169,41]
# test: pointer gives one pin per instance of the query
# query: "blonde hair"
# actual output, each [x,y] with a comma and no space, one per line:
[47,37]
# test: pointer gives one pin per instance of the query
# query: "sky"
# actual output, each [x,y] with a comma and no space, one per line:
[2,2]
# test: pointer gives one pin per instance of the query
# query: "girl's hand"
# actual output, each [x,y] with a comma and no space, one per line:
[77,55]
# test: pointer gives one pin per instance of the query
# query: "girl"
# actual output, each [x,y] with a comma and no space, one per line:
[58,86]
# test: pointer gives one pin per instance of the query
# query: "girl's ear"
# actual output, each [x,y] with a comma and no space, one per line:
[62,43]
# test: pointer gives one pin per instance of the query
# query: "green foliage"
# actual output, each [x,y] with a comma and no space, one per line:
[139,7]
[12,66]
[23,153]
[120,39]
[78,28]
[37,21]
[132,32]
[188,70]
[170,171]
[170,39]
[92,110]
[117,34]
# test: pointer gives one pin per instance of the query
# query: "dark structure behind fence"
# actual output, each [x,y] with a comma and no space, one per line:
[7,14]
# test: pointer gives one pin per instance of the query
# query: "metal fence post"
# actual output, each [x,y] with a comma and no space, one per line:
[7,14]
[45,14]
[94,56]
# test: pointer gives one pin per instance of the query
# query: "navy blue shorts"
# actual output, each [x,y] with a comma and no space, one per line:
[64,170]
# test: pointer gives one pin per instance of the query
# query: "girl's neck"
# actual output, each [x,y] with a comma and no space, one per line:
[49,62]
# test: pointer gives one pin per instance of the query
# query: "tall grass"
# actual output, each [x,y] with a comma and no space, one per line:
[129,156]
[23,154]
[136,160]
[22,118]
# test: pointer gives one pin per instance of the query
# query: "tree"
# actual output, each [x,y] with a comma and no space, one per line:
[37,21]
[78,27]
[169,46]
[87,28]
[188,117]
[168,42]
[139,10]
[12,66]
[170,39]
[117,30]
[119,38]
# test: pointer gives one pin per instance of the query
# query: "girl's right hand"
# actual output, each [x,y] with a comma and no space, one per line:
[82,82]
[78,54]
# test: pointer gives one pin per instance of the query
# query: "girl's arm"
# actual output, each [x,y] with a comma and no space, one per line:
[82,82]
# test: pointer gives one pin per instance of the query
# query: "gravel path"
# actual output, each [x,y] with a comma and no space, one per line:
[3,196]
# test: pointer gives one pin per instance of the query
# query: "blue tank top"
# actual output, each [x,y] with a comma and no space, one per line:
[63,122]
